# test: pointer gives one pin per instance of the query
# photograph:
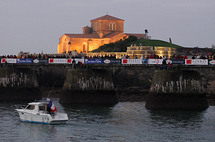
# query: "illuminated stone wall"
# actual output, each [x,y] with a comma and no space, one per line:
[104,27]
[102,31]
[85,44]
[145,51]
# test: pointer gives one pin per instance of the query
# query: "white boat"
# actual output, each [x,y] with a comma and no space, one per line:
[36,112]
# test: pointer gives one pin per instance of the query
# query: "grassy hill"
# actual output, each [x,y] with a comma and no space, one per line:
[121,46]
[148,42]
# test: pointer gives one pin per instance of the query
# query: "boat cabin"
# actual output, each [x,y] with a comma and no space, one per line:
[37,106]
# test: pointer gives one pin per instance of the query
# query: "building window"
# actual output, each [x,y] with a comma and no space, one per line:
[112,26]
[84,48]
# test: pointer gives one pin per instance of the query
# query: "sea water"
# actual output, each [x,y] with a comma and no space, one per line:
[123,122]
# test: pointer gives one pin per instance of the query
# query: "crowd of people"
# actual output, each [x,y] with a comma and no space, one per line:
[186,53]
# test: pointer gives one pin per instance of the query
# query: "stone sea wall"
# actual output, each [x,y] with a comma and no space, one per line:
[182,89]
[88,86]
[178,82]
[18,84]
[104,84]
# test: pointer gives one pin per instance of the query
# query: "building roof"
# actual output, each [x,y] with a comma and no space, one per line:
[82,35]
[108,17]
[137,35]
[87,26]
[110,35]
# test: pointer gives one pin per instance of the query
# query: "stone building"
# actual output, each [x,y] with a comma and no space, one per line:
[144,51]
[103,30]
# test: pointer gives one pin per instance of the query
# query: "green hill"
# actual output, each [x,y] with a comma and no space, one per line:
[148,42]
[121,46]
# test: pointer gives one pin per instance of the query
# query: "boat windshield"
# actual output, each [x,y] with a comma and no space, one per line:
[31,107]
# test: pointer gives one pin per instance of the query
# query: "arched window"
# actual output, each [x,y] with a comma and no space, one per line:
[112,26]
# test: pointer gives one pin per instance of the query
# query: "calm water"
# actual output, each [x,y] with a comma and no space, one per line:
[124,122]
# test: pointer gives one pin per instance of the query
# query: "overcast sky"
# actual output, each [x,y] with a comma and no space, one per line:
[36,25]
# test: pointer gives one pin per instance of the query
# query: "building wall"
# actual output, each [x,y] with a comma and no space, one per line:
[99,27]
[104,26]
[145,51]
[79,44]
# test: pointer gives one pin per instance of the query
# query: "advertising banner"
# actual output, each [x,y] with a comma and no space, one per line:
[144,61]
[196,61]
[132,61]
[8,60]
[24,61]
[69,61]
[41,61]
[36,61]
[79,60]
[212,62]
[177,61]
[168,61]
[112,61]
[155,61]
[57,61]
[93,61]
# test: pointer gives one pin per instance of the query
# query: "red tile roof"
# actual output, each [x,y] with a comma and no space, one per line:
[110,35]
[107,17]
[137,35]
[82,35]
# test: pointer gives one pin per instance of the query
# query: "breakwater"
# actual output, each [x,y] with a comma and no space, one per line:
[95,83]
[18,84]
[177,90]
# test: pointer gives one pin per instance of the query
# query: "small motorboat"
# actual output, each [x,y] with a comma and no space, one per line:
[37,112]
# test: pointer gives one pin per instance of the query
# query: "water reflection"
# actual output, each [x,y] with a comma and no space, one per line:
[175,119]
[88,113]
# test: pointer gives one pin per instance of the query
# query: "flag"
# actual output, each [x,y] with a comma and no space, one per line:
[51,106]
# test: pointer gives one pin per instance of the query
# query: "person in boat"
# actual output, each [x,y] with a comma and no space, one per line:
[51,107]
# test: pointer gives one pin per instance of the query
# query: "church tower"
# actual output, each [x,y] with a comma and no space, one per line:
[107,24]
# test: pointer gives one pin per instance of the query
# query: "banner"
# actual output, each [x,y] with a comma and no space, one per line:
[79,60]
[28,61]
[69,61]
[132,61]
[43,61]
[93,61]
[212,62]
[144,61]
[8,60]
[177,61]
[155,61]
[112,61]
[196,61]
[57,61]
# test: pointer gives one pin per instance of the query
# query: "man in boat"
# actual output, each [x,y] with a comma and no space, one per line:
[51,107]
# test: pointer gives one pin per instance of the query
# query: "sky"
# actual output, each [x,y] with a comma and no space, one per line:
[35,26]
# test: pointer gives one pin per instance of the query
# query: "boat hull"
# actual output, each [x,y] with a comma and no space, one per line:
[43,118]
